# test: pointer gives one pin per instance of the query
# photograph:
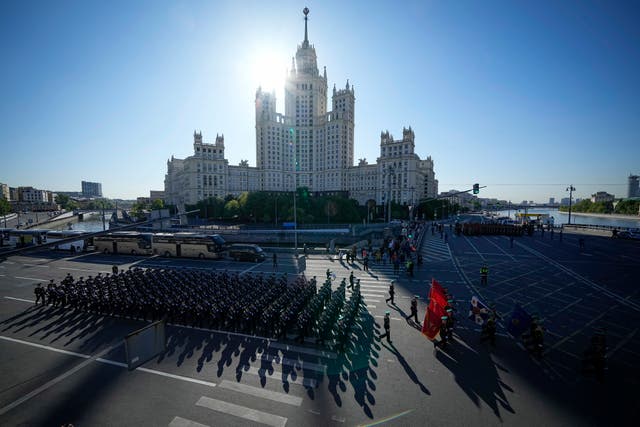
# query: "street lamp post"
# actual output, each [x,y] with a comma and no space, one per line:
[570,189]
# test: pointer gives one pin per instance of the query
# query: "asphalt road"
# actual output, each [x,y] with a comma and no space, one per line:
[57,366]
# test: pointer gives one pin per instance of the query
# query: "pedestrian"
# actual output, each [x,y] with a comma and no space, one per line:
[484,274]
[392,293]
[39,293]
[365,263]
[444,333]
[414,309]
[387,327]
[114,269]
[351,280]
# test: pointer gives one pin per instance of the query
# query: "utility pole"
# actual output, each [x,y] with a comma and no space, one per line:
[570,189]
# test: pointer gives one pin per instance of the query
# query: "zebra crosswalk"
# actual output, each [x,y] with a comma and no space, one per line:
[299,365]
[434,249]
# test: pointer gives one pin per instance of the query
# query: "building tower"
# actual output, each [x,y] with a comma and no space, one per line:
[307,144]
[633,189]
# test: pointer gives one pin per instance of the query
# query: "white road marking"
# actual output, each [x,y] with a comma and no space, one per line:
[53,382]
[474,248]
[307,350]
[21,299]
[45,347]
[264,373]
[500,249]
[176,377]
[621,343]
[99,359]
[83,269]
[298,364]
[31,278]
[261,392]
[183,422]
[242,412]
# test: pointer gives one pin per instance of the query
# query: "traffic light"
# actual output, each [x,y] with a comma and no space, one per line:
[476,188]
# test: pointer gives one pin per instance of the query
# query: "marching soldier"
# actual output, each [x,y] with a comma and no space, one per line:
[39,293]
[392,293]
[387,328]
[414,310]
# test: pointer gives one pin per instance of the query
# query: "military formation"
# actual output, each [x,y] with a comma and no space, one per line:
[254,304]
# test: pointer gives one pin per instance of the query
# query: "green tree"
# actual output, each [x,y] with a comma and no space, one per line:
[627,207]
[231,208]
[157,204]
[5,207]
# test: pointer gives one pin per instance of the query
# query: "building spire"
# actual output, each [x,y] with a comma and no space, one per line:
[306,38]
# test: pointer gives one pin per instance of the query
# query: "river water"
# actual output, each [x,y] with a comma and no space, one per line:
[563,218]
[92,224]
[95,222]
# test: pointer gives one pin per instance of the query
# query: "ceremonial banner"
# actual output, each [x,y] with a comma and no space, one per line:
[478,312]
[435,311]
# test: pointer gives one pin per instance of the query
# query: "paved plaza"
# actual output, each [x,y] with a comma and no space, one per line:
[59,366]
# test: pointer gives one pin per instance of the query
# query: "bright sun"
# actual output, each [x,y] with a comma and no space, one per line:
[268,69]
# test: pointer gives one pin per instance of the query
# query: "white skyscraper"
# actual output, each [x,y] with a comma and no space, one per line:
[307,146]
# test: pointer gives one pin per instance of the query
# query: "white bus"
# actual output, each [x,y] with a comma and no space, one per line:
[124,242]
[73,246]
[195,245]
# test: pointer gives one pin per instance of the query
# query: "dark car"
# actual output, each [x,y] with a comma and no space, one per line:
[628,235]
[246,252]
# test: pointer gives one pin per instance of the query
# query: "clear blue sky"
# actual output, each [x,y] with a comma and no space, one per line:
[524,97]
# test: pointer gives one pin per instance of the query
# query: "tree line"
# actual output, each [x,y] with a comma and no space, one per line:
[623,207]
[277,207]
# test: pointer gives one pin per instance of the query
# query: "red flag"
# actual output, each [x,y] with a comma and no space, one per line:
[435,311]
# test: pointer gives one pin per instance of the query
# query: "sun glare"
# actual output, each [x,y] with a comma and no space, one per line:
[268,69]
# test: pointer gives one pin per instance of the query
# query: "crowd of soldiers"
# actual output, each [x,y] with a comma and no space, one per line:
[255,304]
[477,229]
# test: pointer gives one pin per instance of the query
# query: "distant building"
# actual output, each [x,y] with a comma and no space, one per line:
[156,195]
[564,201]
[602,196]
[552,200]
[310,145]
[633,189]
[4,192]
[464,200]
[32,195]
[13,193]
[32,199]
[91,189]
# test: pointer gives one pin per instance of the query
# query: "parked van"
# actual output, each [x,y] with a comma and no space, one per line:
[246,252]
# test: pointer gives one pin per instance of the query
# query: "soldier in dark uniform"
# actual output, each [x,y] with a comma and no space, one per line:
[392,293]
[39,293]
[414,309]
[387,327]
[444,333]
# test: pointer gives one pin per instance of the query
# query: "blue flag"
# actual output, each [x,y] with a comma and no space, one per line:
[519,322]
